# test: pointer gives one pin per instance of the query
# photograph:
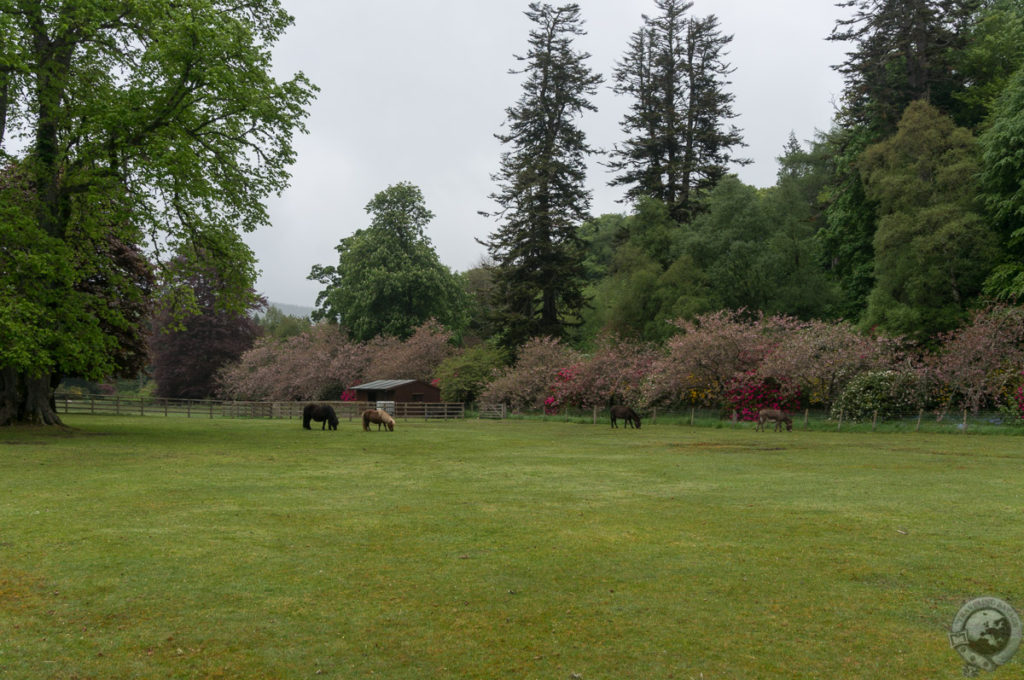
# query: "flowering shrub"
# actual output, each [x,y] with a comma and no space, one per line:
[1020,400]
[891,393]
[348,395]
[527,384]
[706,355]
[612,374]
[979,361]
[748,394]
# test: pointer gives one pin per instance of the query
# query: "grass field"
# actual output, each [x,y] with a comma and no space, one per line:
[172,548]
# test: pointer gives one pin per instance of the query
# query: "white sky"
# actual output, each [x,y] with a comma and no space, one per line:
[414,91]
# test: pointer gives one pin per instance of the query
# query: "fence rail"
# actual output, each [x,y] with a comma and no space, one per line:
[208,408]
[951,420]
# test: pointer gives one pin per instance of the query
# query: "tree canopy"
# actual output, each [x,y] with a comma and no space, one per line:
[538,270]
[145,127]
[389,280]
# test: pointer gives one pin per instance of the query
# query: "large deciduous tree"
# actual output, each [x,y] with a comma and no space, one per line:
[900,51]
[679,140]
[187,353]
[127,122]
[389,280]
[538,272]
[933,251]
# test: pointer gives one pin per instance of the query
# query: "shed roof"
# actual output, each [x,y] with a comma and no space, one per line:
[383,384]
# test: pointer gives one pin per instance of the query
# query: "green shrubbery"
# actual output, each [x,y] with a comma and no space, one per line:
[889,394]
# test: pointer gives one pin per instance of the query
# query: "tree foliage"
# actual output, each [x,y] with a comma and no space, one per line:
[389,280]
[612,374]
[416,357]
[528,382]
[903,51]
[318,364]
[1002,167]
[980,362]
[679,140]
[932,249]
[155,121]
[538,272]
[186,354]
[463,376]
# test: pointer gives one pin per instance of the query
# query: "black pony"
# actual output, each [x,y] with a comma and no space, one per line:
[627,414]
[320,413]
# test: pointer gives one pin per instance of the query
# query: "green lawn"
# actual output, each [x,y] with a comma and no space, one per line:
[173,548]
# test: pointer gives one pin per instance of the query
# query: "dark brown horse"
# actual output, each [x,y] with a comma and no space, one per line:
[379,416]
[320,413]
[627,414]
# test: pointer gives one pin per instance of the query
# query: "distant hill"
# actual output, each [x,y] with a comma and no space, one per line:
[292,310]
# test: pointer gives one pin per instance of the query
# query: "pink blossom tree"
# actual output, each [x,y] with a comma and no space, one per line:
[979,364]
[818,358]
[527,383]
[613,374]
[317,364]
[702,361]
[416,358]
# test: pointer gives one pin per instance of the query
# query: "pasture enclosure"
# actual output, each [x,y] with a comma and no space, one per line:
[203,548]
[95,404]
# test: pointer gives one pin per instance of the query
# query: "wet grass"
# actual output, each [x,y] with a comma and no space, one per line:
[148,547]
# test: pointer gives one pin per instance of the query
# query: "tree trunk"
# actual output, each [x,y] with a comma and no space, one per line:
[25,399]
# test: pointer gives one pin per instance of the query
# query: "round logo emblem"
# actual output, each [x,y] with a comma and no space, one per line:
[986,633]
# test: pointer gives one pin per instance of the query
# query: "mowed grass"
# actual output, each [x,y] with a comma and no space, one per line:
[172,548]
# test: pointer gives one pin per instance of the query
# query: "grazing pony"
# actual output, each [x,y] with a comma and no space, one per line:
[776,416]
[627,414]
[320,413]
[379,416]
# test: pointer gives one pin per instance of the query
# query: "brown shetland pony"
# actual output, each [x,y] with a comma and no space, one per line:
[320,413]
[379,416]
[776,416]
[627,414]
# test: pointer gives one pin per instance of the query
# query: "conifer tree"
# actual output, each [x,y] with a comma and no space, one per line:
[904,50]
[538,270]
[679,142]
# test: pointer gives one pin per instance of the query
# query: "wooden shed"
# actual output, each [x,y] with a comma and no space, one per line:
[397,390]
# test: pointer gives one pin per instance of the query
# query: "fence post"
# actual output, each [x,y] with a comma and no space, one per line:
[965,420]
[920,413]
[692,409]
[595,414]
[807,413]
[654,415]
[874,420]
[840,426]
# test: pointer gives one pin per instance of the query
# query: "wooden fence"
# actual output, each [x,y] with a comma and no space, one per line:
[97,404]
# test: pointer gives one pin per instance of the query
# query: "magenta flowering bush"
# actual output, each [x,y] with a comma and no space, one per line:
[613,374]
[528,383]
[748,393]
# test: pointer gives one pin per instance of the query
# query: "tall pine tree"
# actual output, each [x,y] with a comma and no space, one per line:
[538,270]
[904,50]
[679,141]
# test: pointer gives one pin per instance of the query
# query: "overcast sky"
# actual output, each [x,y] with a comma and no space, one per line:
[414,91]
